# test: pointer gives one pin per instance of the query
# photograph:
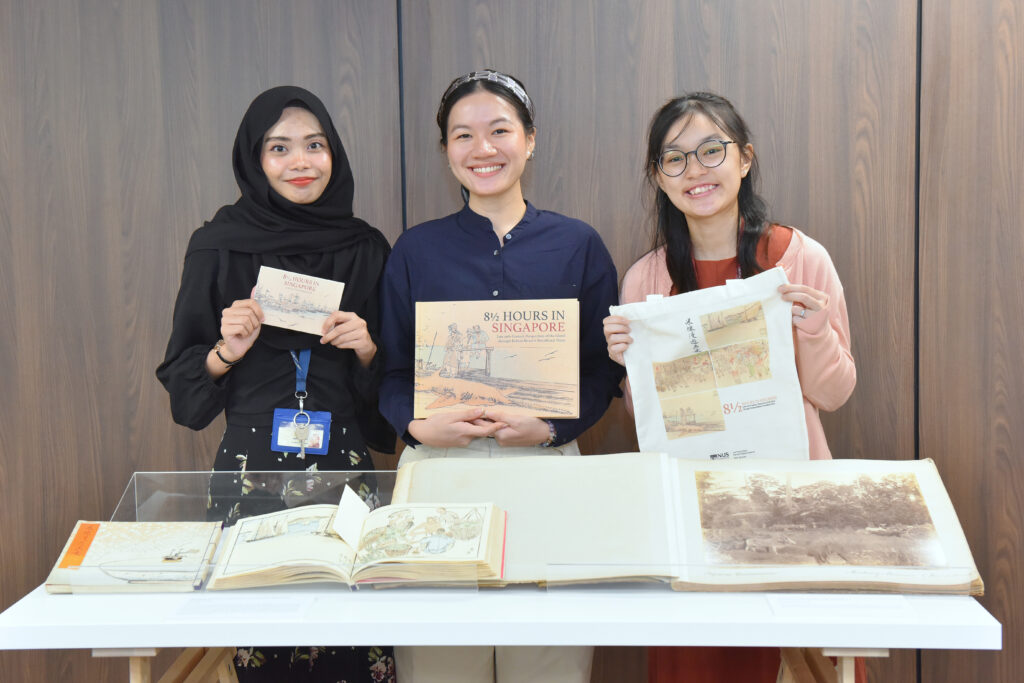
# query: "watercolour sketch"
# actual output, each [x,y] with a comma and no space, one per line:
[737,353]
[296,302]
[304,534]
[712,372]
[522,356]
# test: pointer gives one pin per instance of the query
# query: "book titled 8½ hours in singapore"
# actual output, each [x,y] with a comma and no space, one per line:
[521,356]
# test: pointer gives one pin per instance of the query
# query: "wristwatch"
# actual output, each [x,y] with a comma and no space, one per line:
[216,349]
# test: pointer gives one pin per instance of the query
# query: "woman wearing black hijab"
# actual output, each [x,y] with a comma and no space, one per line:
[294,214]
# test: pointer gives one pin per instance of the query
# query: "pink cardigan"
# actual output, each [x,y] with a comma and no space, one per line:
[822,339]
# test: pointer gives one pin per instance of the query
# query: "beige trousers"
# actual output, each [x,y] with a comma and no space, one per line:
[491,664]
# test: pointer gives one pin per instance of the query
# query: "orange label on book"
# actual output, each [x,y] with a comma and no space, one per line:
[79,545]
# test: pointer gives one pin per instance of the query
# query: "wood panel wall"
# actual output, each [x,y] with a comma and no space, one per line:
[972,301]
[115,139]
[115,143]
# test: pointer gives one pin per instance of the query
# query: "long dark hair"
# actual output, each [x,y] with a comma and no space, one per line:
[671,229]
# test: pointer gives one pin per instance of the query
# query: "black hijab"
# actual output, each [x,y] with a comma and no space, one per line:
[322,238]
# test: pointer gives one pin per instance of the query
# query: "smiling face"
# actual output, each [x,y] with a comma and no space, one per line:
[704,193]
[487,146]
[296,157]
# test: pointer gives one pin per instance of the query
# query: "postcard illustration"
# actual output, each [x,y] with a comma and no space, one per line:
[805,518]
[522,356]
[296,302]
[737,339]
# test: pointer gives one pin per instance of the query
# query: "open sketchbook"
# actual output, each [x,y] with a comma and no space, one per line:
[421,542]
[727,525]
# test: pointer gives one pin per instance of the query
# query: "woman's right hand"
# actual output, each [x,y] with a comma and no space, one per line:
[455,429]
[616,334]
[239,326]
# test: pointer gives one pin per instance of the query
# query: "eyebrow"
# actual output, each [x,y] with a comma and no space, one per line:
[284,138]
[668,145]
[500,119]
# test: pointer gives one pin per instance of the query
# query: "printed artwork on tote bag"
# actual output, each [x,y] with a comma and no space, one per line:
[713,373]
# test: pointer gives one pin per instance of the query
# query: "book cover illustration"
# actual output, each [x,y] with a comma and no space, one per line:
[520,355]
[114,556]
[296,302]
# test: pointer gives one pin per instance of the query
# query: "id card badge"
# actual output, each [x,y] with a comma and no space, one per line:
[301,431]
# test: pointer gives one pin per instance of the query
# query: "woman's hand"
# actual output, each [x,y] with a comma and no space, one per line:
[616,334]
[806,300]
[455,429]
[518,430]
[240,324]
[346,330]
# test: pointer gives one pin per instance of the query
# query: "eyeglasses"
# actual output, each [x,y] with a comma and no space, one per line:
[709,153]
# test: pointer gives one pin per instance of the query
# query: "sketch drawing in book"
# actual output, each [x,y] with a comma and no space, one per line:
[713,373]
[521,355]
[294,301]
[115,557]
[426,542]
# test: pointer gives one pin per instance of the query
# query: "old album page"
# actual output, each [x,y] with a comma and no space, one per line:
[878,525]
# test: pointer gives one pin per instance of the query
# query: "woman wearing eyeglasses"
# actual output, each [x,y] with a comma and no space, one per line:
[712,227]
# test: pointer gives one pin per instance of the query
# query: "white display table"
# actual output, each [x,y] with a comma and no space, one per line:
[843,625]
[511,616]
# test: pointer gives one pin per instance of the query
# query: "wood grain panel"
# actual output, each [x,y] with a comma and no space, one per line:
[972,321]
[116,136]
[828,89]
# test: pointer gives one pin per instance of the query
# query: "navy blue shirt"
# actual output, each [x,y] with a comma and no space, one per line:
[460,258]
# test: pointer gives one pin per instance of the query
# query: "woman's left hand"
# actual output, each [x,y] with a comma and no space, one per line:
[346,330]
[519,430]
[806,300]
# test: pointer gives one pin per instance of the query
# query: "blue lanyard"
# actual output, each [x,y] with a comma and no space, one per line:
[301,371]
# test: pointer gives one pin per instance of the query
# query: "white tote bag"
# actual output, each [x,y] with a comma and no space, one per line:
[713,373]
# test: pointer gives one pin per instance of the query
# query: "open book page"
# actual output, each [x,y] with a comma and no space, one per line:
[851,524]
[408,537]
[291,546]
[713,372]
[521,355]
[127,556]
[569,518]
[295,301]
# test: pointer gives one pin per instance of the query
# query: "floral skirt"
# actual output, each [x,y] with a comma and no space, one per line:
[246,450]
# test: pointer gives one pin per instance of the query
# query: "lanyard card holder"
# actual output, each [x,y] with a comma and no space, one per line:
[301,430]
